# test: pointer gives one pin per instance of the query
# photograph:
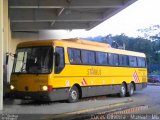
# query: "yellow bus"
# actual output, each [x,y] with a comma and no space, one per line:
[71,69]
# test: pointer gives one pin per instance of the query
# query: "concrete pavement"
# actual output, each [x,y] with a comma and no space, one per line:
[147,98]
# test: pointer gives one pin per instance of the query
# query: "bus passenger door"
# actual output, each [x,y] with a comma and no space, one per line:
[59,59]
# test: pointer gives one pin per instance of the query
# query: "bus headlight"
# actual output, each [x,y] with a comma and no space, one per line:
[12,87]
[45,88]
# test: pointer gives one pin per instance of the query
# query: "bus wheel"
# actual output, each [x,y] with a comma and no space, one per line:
[123,90]
[73,95]
[131,90]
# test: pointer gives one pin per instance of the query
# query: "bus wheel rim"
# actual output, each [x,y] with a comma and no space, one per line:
[131,90]
[74,95]
[123,90]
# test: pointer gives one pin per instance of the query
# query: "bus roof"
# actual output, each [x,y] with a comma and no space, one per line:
[80,44]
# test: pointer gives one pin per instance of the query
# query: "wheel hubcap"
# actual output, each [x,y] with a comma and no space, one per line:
[123,90]
[132,90]
[74,94]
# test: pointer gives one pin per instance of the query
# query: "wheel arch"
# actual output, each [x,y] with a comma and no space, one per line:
[125,85]
[134,85]
[79,89]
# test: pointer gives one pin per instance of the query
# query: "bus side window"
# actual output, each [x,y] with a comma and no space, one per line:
[123,60]
[59,59]
[88,57]
[74,56]
[141,62]
[132,61]
[110,56]
[113,59]
[101,58]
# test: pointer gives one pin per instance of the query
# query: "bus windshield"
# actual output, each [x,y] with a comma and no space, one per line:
[34,60]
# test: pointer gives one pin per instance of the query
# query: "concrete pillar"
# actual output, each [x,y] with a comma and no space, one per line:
[1,54]
[6,30]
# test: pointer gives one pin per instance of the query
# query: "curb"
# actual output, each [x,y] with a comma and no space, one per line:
[155,84]
[68,114]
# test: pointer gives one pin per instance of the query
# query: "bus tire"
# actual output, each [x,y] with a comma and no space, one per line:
[130,90]
[73,95]
[123,90]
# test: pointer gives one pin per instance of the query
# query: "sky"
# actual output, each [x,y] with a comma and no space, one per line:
[139,15]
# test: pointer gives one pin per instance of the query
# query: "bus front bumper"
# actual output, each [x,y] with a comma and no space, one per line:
[56,94]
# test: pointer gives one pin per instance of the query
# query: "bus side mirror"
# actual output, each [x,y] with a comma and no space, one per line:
[57,59]
[15,55]
[10,54]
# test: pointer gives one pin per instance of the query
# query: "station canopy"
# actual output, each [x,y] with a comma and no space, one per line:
[35,15]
